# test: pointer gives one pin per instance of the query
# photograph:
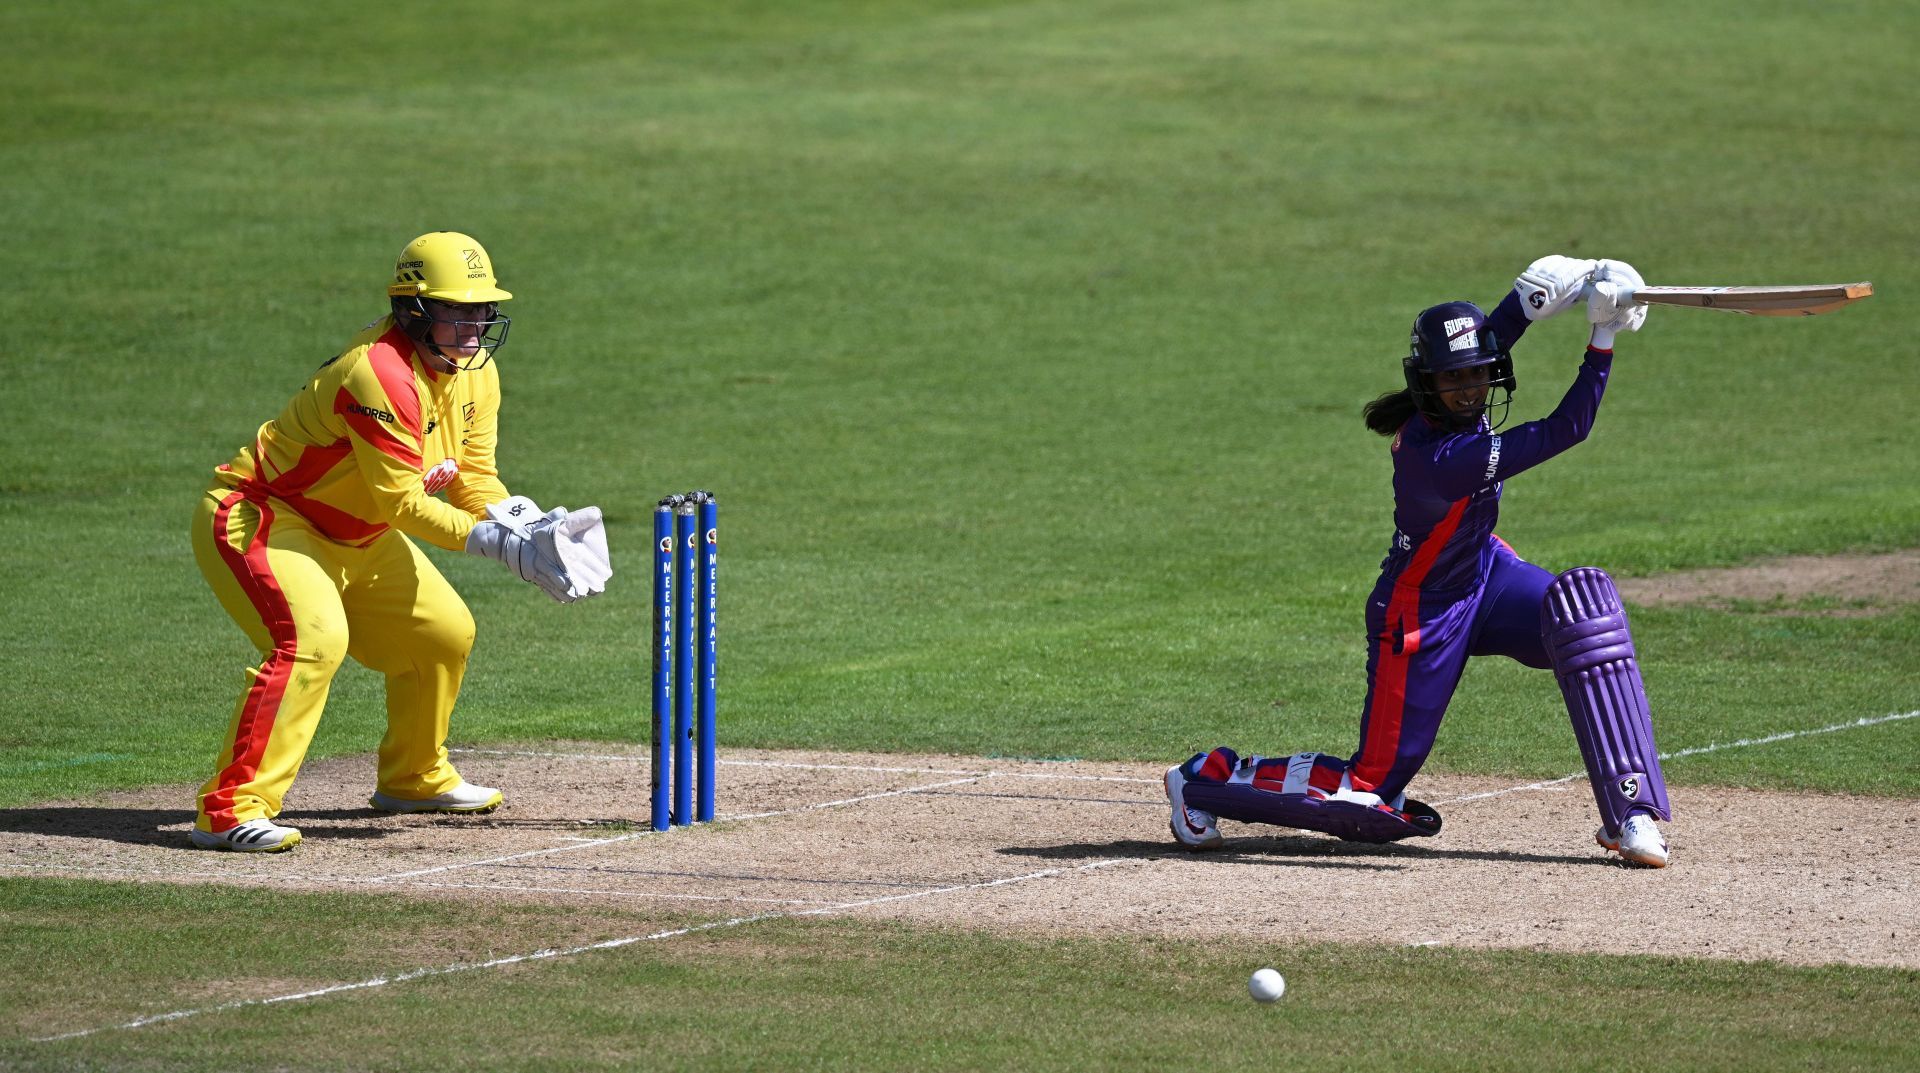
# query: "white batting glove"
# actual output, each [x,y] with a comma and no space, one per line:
[1551,285]
[1610,307]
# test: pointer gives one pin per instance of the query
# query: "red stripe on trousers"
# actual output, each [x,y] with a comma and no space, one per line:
[262,704]
[1382,747]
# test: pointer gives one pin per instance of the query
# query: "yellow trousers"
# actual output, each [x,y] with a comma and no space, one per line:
[307,603]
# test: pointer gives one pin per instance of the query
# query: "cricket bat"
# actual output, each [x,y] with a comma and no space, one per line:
[1802,301]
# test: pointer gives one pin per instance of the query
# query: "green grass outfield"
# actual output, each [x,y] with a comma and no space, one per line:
[1024,344]
[836,995]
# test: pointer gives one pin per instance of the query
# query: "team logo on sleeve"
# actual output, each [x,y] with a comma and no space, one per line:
[436,479]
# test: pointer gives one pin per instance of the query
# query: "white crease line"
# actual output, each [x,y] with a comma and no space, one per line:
[1074,778]
[633,757]
[1853,724]
[857,800]
[538,955]
[848,767]
[1510,790]
[626,893]
[508,857]
[637,757]
[1863,721]
[649,832]
[642,757]
[398,876]
[475,751]
[991,772]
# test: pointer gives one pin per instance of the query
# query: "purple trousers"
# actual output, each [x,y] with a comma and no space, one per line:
[1419,646]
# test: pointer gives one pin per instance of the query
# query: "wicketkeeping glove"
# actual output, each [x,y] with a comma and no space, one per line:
[578,543]
[1551,285]
[520,550]
[565,553]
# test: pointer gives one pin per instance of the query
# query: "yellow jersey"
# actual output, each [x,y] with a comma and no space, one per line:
[370,440]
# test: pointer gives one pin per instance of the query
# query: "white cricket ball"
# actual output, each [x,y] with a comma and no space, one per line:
[1266,985]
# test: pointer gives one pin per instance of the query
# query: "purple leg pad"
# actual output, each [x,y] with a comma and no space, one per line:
[1585,628]
[1361,818]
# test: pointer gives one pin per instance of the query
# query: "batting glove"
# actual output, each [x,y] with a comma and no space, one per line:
[1551,285]
[1610,307]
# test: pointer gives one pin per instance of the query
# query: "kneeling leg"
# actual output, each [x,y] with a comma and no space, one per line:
[1309,791]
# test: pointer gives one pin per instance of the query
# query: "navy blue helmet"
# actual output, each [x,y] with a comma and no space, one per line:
[1450,337]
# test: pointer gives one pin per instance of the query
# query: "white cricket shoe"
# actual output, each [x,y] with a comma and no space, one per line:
[1639,841]
[253,836]
[466,798]
[1193,828]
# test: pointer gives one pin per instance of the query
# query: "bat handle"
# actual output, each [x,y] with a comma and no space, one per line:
[1621,294]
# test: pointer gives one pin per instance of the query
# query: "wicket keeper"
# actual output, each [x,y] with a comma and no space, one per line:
[307,536]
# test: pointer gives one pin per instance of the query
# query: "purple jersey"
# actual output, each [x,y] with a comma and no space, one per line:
[1446,485]
[1449,590]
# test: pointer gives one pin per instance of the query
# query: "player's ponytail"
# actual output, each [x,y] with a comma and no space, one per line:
[1387,413]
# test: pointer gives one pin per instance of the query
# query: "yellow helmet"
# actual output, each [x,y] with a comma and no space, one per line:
[444,296]
[446,265]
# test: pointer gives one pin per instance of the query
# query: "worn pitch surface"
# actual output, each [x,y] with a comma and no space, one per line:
[1060,848]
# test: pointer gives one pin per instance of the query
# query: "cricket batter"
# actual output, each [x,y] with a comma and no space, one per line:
[304,537]
[1450,588]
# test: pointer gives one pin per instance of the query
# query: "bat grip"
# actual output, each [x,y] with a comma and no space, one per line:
[1622,294]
